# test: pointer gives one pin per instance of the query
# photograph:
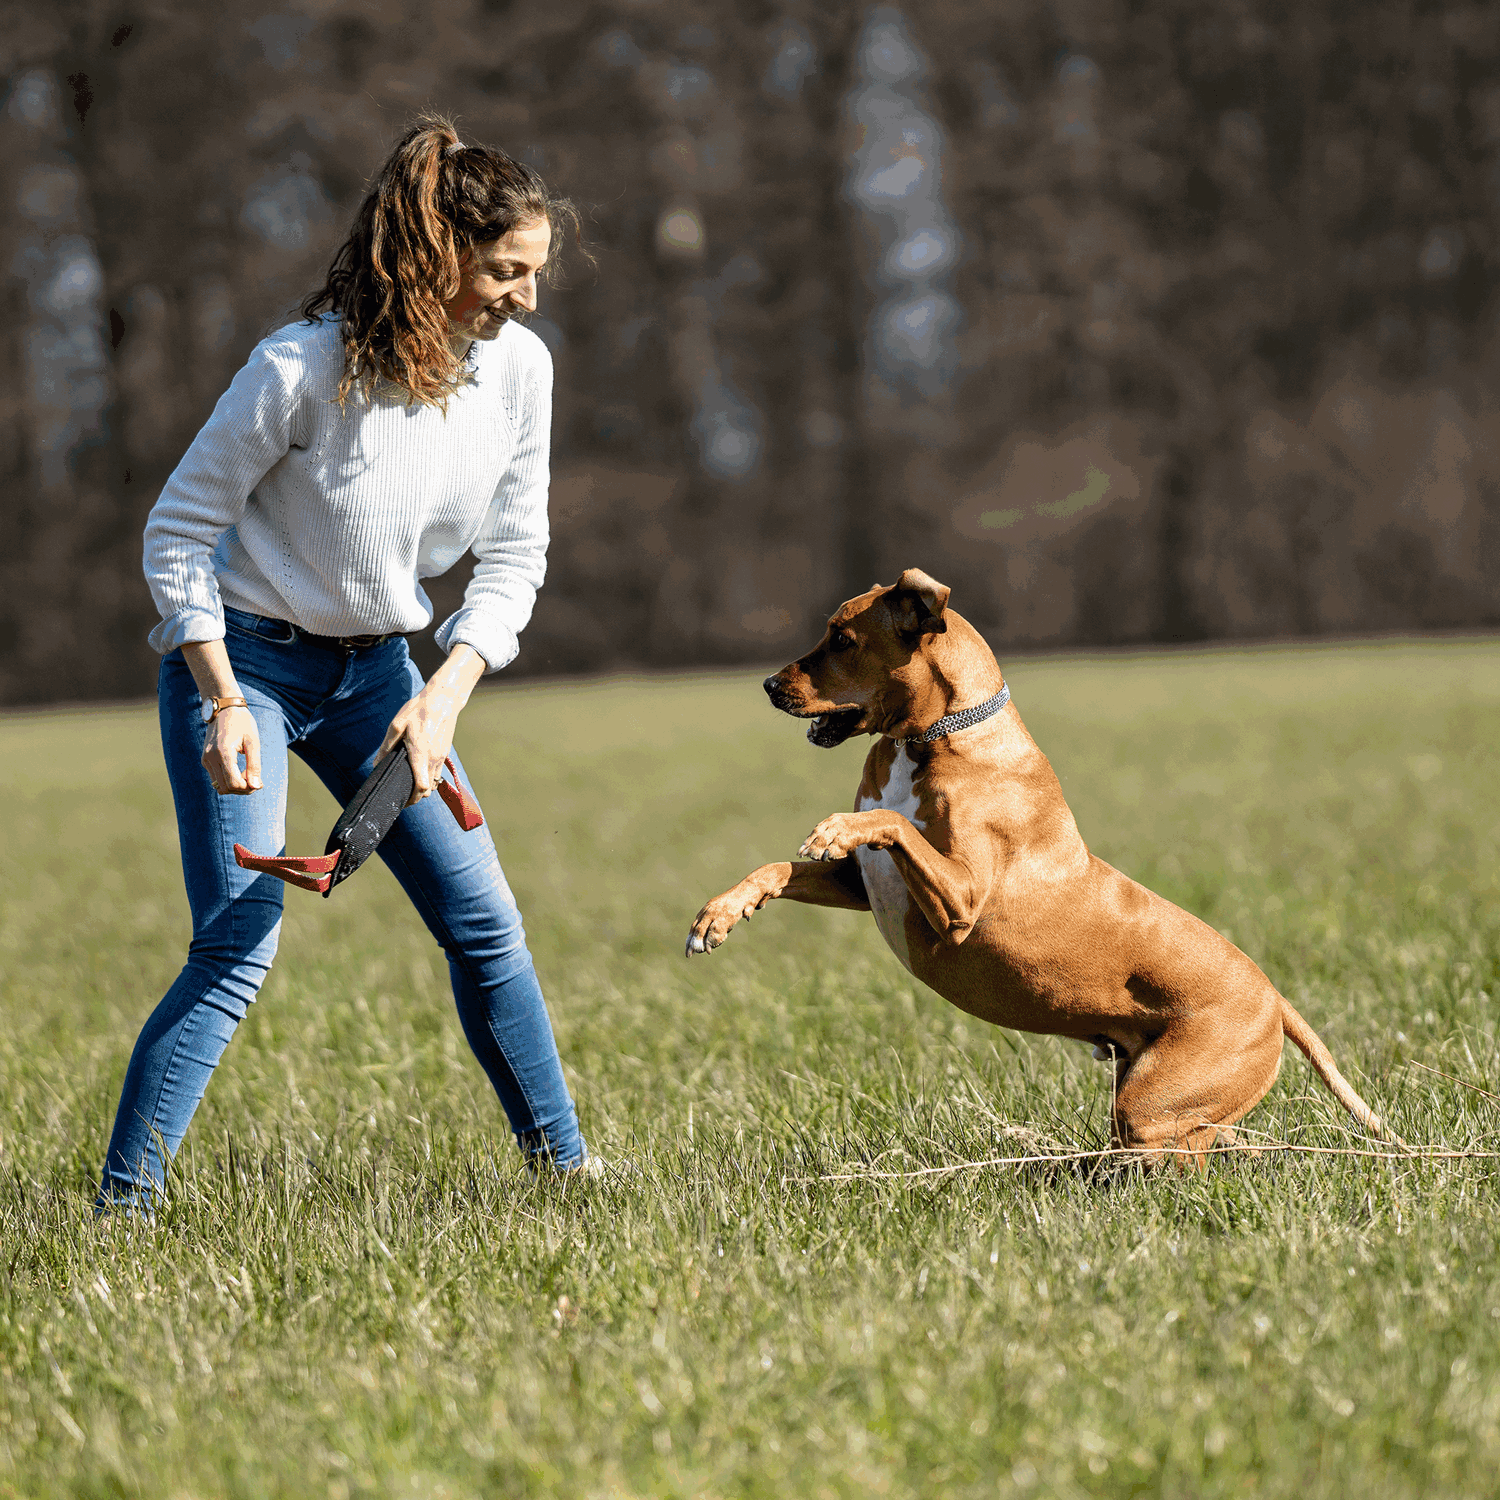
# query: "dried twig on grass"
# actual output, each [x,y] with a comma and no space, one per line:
[1463,1083]
[1124,1153]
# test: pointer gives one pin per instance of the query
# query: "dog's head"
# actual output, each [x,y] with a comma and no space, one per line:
[871,673]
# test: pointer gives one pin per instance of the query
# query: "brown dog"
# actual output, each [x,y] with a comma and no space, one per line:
[965,851]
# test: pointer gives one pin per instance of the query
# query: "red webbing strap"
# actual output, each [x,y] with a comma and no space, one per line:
[310,872]
[463,807]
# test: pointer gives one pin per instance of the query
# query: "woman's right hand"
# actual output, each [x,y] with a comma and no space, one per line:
[233,733]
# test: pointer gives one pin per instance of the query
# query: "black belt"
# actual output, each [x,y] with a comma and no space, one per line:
[346,642]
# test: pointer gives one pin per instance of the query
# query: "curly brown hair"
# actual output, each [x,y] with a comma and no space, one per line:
[432,202]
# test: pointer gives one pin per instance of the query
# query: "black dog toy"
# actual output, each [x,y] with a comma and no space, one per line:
[370,815]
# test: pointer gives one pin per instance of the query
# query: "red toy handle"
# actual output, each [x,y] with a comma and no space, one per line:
[463,807]
[291,868]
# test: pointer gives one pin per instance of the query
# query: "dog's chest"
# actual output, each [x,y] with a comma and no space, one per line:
[888,896]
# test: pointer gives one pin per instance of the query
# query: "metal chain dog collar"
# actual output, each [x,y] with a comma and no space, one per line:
[965,718]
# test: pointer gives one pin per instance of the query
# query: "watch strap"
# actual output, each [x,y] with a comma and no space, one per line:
[220,704]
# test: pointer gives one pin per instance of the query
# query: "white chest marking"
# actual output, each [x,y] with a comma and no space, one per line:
[889,899]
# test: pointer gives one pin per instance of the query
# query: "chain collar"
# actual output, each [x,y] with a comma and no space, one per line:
[965,718]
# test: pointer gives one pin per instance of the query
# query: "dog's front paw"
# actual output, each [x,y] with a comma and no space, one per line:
[711,926]
[836,837]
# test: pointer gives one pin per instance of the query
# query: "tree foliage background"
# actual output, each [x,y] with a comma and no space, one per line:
[1132,320]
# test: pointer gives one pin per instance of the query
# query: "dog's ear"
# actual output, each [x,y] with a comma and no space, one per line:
[918,602]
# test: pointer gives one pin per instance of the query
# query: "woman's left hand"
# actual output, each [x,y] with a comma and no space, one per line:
[426,723]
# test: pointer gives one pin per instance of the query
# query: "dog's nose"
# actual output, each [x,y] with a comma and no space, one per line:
[770,683]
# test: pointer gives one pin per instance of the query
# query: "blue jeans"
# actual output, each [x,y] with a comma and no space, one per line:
[332,707]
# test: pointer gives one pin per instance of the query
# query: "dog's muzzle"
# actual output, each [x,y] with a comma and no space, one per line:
[781,695]
[827,729]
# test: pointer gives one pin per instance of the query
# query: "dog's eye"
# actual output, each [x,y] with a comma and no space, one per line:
[841,643]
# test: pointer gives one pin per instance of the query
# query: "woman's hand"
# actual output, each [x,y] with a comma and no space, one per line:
[426,723]
[233,732]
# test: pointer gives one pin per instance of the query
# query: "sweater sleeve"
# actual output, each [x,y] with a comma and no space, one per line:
[511,547]
[250,430]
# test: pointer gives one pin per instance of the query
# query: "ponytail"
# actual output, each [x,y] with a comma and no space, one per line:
[433,200]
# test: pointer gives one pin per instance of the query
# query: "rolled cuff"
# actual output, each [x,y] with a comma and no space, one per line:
[495,642]
[194,623]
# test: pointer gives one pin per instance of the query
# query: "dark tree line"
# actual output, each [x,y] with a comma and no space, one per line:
[1131,321]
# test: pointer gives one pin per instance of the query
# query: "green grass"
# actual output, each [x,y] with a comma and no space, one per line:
[355,1291]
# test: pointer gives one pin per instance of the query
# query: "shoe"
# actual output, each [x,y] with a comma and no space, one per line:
[591,1169]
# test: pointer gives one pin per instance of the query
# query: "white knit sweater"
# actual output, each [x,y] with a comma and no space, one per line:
[288,507]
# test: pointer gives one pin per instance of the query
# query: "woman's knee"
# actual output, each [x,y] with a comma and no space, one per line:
[487,936]
[234,952]
[492,963]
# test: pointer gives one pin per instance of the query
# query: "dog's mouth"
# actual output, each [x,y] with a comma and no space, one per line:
[834,727]
[829,728]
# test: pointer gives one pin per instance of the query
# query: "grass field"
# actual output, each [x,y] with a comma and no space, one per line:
[356,1292]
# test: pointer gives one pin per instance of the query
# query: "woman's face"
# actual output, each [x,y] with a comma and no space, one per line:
[496,279]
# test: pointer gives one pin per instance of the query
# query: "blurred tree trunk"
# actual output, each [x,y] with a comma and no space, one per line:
[834,379]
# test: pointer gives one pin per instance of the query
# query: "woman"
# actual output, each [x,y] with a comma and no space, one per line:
[405,421]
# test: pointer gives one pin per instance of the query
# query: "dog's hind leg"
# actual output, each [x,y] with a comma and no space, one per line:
[1179,1094]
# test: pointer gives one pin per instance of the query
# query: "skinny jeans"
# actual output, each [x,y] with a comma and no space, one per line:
[331,706]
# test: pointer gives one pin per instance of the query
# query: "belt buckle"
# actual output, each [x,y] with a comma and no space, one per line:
[360,642]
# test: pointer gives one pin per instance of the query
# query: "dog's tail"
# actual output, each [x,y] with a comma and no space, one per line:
[1312,1048]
